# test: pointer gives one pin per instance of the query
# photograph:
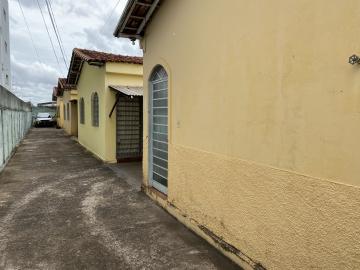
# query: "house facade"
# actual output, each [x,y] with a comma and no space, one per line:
[70,108]
[251,115]
[106,84]
[64,94]
[58,98]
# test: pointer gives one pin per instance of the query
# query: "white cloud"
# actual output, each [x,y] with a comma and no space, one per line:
[34,72]
[34,81]
[81,24]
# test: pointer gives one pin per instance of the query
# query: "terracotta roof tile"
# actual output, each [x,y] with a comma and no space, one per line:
[89,55]
[63,85]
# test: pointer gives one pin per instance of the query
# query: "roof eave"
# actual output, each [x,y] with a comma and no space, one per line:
[127,14]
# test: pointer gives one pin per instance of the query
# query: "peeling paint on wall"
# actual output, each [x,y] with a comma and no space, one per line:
[15,121]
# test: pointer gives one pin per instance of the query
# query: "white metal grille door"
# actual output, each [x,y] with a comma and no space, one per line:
[129,129]
[159,129]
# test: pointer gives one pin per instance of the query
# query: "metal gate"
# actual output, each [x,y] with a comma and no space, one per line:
[129,128]
[159,129]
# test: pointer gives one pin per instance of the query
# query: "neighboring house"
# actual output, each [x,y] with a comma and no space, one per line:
[259,110]
[64,95]
[70,108]
[109,93]
[5,74]
[46,107]
[58,97]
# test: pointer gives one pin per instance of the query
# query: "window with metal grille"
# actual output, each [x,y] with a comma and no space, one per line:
[95,109]
[159,129]
[68,111]
[82,111]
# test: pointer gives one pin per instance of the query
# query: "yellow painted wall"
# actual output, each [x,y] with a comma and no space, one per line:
[70,124]
[92,80]
[263,125]
[60,116]
[102,140]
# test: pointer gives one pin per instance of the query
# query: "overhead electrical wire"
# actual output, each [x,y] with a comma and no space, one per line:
[53,22]
[57,28]
[111,13]
[48,32]
[29,32]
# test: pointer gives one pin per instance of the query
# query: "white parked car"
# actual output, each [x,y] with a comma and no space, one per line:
[44,120]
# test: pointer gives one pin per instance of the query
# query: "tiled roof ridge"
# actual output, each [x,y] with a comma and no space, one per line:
[92,55]
[81,54]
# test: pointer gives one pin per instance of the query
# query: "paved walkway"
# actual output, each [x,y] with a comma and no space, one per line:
[60,208]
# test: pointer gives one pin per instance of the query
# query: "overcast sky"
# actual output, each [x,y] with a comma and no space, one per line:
[82,23]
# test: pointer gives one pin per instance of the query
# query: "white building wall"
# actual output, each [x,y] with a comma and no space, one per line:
[15,121]
[5,78]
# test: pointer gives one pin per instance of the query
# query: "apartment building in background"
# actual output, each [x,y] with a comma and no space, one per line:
[5,78]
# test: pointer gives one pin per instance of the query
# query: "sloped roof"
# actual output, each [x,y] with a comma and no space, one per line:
[95,56]
[135,17]
[128,90]
[62,86]
[79,56]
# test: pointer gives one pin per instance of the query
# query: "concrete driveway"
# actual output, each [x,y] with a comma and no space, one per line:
[60,208]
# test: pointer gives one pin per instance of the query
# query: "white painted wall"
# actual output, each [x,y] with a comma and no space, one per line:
[15,121]
[15,114]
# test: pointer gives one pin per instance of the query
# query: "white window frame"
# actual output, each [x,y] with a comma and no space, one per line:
[162,76]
